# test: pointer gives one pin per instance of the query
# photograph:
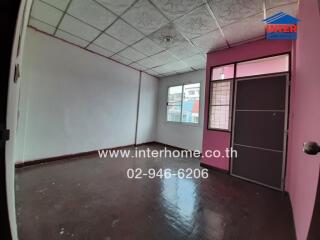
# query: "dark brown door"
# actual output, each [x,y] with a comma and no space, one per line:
[259,129]
[314,231]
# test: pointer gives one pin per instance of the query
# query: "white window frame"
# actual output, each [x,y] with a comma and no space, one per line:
[167,101]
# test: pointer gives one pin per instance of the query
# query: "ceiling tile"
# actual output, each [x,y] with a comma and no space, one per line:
[176,8]
[160,36]
[124,32]
[91,13]
[151,72]
[230,11]
[276,3]
[210,41]
[148,63]
[290,9]
[116,6]
[145,17]
[196,23]
[197,61]
[138,66]
[167,74]
[185,70]
[183,50]
[158,60]
[60,4]
[163,58]
[131,54]
[77,28]
[100,50]
[45,13]
[121,59]
[178,66]
[72,39]
[163,69]
[251,28]
[109,43]
[41,26]
[147,47]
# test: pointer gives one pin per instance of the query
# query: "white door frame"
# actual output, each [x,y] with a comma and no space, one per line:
[12,108]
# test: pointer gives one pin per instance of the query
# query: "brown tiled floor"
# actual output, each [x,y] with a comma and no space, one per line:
[92,199]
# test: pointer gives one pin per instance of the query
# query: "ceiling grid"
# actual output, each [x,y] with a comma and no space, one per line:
[159,37]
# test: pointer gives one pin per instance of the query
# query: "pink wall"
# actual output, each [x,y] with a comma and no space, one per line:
[303,170]
[217,140]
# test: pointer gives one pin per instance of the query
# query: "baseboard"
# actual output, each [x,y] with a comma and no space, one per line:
[140,144]
[68,156]
[89,153]
[171,146]
[214,168]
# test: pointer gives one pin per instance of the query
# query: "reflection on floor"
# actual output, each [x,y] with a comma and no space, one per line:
[91,199]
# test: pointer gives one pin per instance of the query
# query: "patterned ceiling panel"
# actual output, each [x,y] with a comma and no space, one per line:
[100,50]
[251,28]
[121,59]
[42,26]
[92,13]
[167,37]
[176,8]
[109,43]
[138,66]
[116,6]
[210,41]
[230,11]
[145,17]
[196,62]
[70,38]
[184,50]
[160,37]
[157,60]
[131,54]
[78,28]
[124,32]
[60,4]
[196,23]
[291,9]
[276,3]
[148,47]
[46,13]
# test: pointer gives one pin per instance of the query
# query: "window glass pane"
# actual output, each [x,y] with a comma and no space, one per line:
[174,113]
[175,94]
[220,105]
[223,72]
[191,102]
[220,93]
[174,104]
[263,66]
[219,117]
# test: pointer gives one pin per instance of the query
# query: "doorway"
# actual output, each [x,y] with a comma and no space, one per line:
[260,129]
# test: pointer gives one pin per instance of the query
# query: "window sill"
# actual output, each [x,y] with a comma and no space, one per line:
[219,130]
[183,124]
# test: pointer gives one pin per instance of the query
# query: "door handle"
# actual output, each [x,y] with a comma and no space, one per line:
[311,148]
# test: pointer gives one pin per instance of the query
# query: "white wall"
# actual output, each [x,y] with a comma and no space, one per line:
[74,101]
[179,134]
[147,122]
